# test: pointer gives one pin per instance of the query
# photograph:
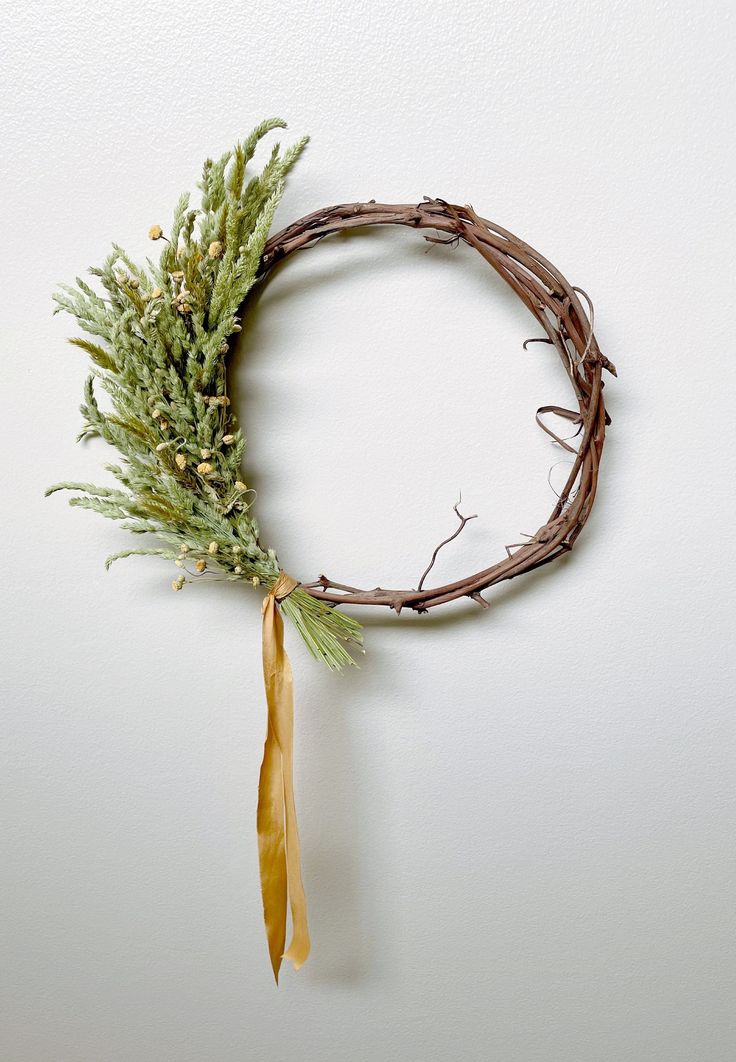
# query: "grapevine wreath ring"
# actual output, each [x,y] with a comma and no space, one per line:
[161,335]
[555,304]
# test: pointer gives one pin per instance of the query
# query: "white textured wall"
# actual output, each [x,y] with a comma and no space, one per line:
[517,825]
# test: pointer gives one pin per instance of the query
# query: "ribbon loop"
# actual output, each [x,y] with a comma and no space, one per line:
[278,836]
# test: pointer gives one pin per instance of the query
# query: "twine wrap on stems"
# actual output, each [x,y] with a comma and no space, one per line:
[278,836]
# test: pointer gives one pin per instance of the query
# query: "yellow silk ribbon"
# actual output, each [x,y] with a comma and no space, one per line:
[278,837]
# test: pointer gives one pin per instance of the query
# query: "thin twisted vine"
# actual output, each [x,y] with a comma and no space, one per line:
[446,541]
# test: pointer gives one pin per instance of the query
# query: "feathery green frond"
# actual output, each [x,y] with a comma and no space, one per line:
[162,334]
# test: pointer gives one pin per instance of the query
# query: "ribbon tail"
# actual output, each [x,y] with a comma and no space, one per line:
[272,850]
[278,835]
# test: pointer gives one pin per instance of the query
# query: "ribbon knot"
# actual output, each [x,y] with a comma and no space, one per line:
[283,586]
[278,836]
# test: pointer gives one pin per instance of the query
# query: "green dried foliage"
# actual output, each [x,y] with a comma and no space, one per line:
[161,338]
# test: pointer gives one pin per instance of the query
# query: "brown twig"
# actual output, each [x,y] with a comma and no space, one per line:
[556,306]
[463,521]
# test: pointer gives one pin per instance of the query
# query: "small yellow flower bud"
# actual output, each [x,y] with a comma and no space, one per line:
[183,548]
[256,581]
[238,570]
[178,583]
[179,563]
[237,548]
[239,485]
[181,461]
[212,548]
[204,468]
[206,453]
[156,293]
[133,282]
[227,439]
[156,414]
[178,275]
[155,232]
[215,249]
[164,423]
[201,565]
[161,446]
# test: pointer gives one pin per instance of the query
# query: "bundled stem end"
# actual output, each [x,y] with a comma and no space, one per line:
[326,630]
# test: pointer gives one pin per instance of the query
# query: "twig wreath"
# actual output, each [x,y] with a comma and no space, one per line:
[161,339]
